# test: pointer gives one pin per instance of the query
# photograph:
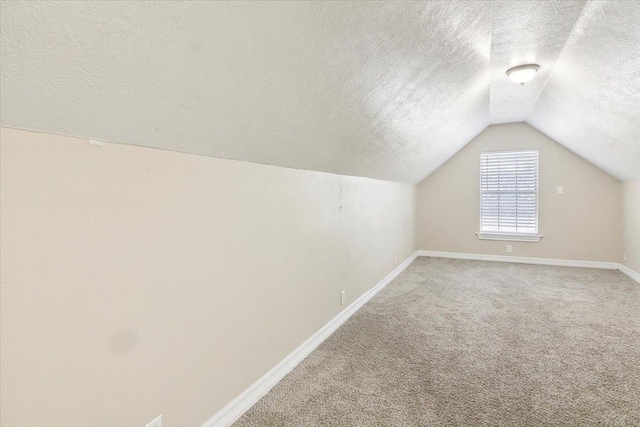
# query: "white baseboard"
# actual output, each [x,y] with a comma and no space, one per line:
[542,261]
[629,272]
[234,410]
[522,260]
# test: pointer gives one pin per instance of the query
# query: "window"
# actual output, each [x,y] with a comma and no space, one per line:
[509,195]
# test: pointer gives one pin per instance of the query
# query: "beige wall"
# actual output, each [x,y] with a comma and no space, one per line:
[137,281]
[584,223]
[631,224]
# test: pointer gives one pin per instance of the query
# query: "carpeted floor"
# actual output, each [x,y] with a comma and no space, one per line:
[473,343]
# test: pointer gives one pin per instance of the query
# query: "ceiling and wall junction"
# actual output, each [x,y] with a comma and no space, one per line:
[387,90]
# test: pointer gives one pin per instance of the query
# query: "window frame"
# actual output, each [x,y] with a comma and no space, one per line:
[505,235]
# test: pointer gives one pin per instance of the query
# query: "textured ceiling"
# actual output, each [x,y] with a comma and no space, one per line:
[525,32]
[383,90]
[591,101]
[387,90]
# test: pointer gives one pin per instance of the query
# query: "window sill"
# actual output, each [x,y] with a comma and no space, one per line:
[512,237]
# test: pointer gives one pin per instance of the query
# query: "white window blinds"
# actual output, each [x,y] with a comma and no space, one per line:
[509,192]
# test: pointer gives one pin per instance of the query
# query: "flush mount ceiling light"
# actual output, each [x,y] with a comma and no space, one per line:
[522,73]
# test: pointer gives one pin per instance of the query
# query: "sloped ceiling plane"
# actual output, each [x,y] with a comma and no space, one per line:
[386,90]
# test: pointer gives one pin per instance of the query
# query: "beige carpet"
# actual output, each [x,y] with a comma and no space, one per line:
[471,343]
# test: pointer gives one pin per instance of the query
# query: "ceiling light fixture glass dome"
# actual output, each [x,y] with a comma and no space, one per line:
[522,73]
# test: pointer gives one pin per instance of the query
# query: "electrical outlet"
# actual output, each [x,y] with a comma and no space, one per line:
[343,299]
[156,422]
[509,248]
[395,260]
[560,190]
[625,257]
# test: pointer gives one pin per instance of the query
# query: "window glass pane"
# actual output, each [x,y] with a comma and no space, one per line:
[509,192]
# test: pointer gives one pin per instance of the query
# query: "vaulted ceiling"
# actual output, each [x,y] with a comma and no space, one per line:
[386,90]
